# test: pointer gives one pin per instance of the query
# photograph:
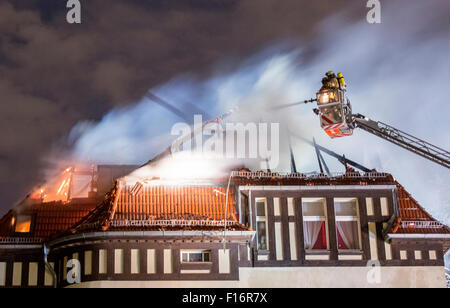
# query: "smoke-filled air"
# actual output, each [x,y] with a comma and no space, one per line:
[392,75]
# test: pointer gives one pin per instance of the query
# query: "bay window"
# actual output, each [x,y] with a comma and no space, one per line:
[315,230]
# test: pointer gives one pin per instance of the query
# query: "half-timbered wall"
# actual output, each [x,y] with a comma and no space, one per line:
[285,228]
[139,258]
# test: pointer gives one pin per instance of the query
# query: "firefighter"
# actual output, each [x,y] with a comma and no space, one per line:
[333,82]
[324,83]
[330,81]
[341,80]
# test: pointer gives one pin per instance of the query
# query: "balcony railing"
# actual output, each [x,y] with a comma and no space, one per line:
[20,240]
[286,175]
[170,223]
[417,224]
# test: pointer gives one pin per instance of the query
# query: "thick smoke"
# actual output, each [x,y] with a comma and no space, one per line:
[395,71]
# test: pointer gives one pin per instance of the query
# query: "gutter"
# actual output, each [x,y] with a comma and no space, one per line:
[314,188]
[394,222]
[429,236]
[149,234]
[48,265]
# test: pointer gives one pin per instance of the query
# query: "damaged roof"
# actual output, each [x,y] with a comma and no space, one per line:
[163,208]
[190,207]
[46,219]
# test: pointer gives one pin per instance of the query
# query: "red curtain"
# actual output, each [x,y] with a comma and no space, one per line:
[321,242]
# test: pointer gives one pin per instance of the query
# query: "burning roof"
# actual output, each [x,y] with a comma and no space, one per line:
[163,205]
[163,208]
[46,219]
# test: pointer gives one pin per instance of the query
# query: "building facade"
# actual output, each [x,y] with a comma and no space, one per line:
[282,230]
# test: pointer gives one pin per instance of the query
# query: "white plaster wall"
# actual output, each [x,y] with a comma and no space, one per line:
[135,261]
[118,261]
[168,261]
[373,241]
[224,261]
[304,277]
[48,281]
[102,261]
[278,241]
[33,274]
[88,262]
[2,273]
[17,274]
[151,261]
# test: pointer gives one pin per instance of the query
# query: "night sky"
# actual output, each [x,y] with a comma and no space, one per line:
[54,74]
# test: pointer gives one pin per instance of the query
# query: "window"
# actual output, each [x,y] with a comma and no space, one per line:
[23,224]
[347,223]
[331,115]
[325,97]
[261,224]
[196,256]
[315,231]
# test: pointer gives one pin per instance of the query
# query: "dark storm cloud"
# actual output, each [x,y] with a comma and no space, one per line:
[54,75]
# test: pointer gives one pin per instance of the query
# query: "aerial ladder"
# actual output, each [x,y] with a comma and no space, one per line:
[338,120]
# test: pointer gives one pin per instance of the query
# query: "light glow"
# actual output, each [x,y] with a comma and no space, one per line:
[181,168]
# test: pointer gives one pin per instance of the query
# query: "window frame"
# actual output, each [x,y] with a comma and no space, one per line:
[203,252]
[261,219]
[347,218]
[324,218]
[23,234]
[338,93]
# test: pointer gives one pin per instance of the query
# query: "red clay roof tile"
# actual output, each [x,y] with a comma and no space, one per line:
[48,218]
[414,218]
[192,203]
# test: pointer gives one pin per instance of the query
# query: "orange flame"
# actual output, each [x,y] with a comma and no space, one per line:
[56,189]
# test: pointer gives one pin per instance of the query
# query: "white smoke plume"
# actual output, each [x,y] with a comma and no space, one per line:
[396,73]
